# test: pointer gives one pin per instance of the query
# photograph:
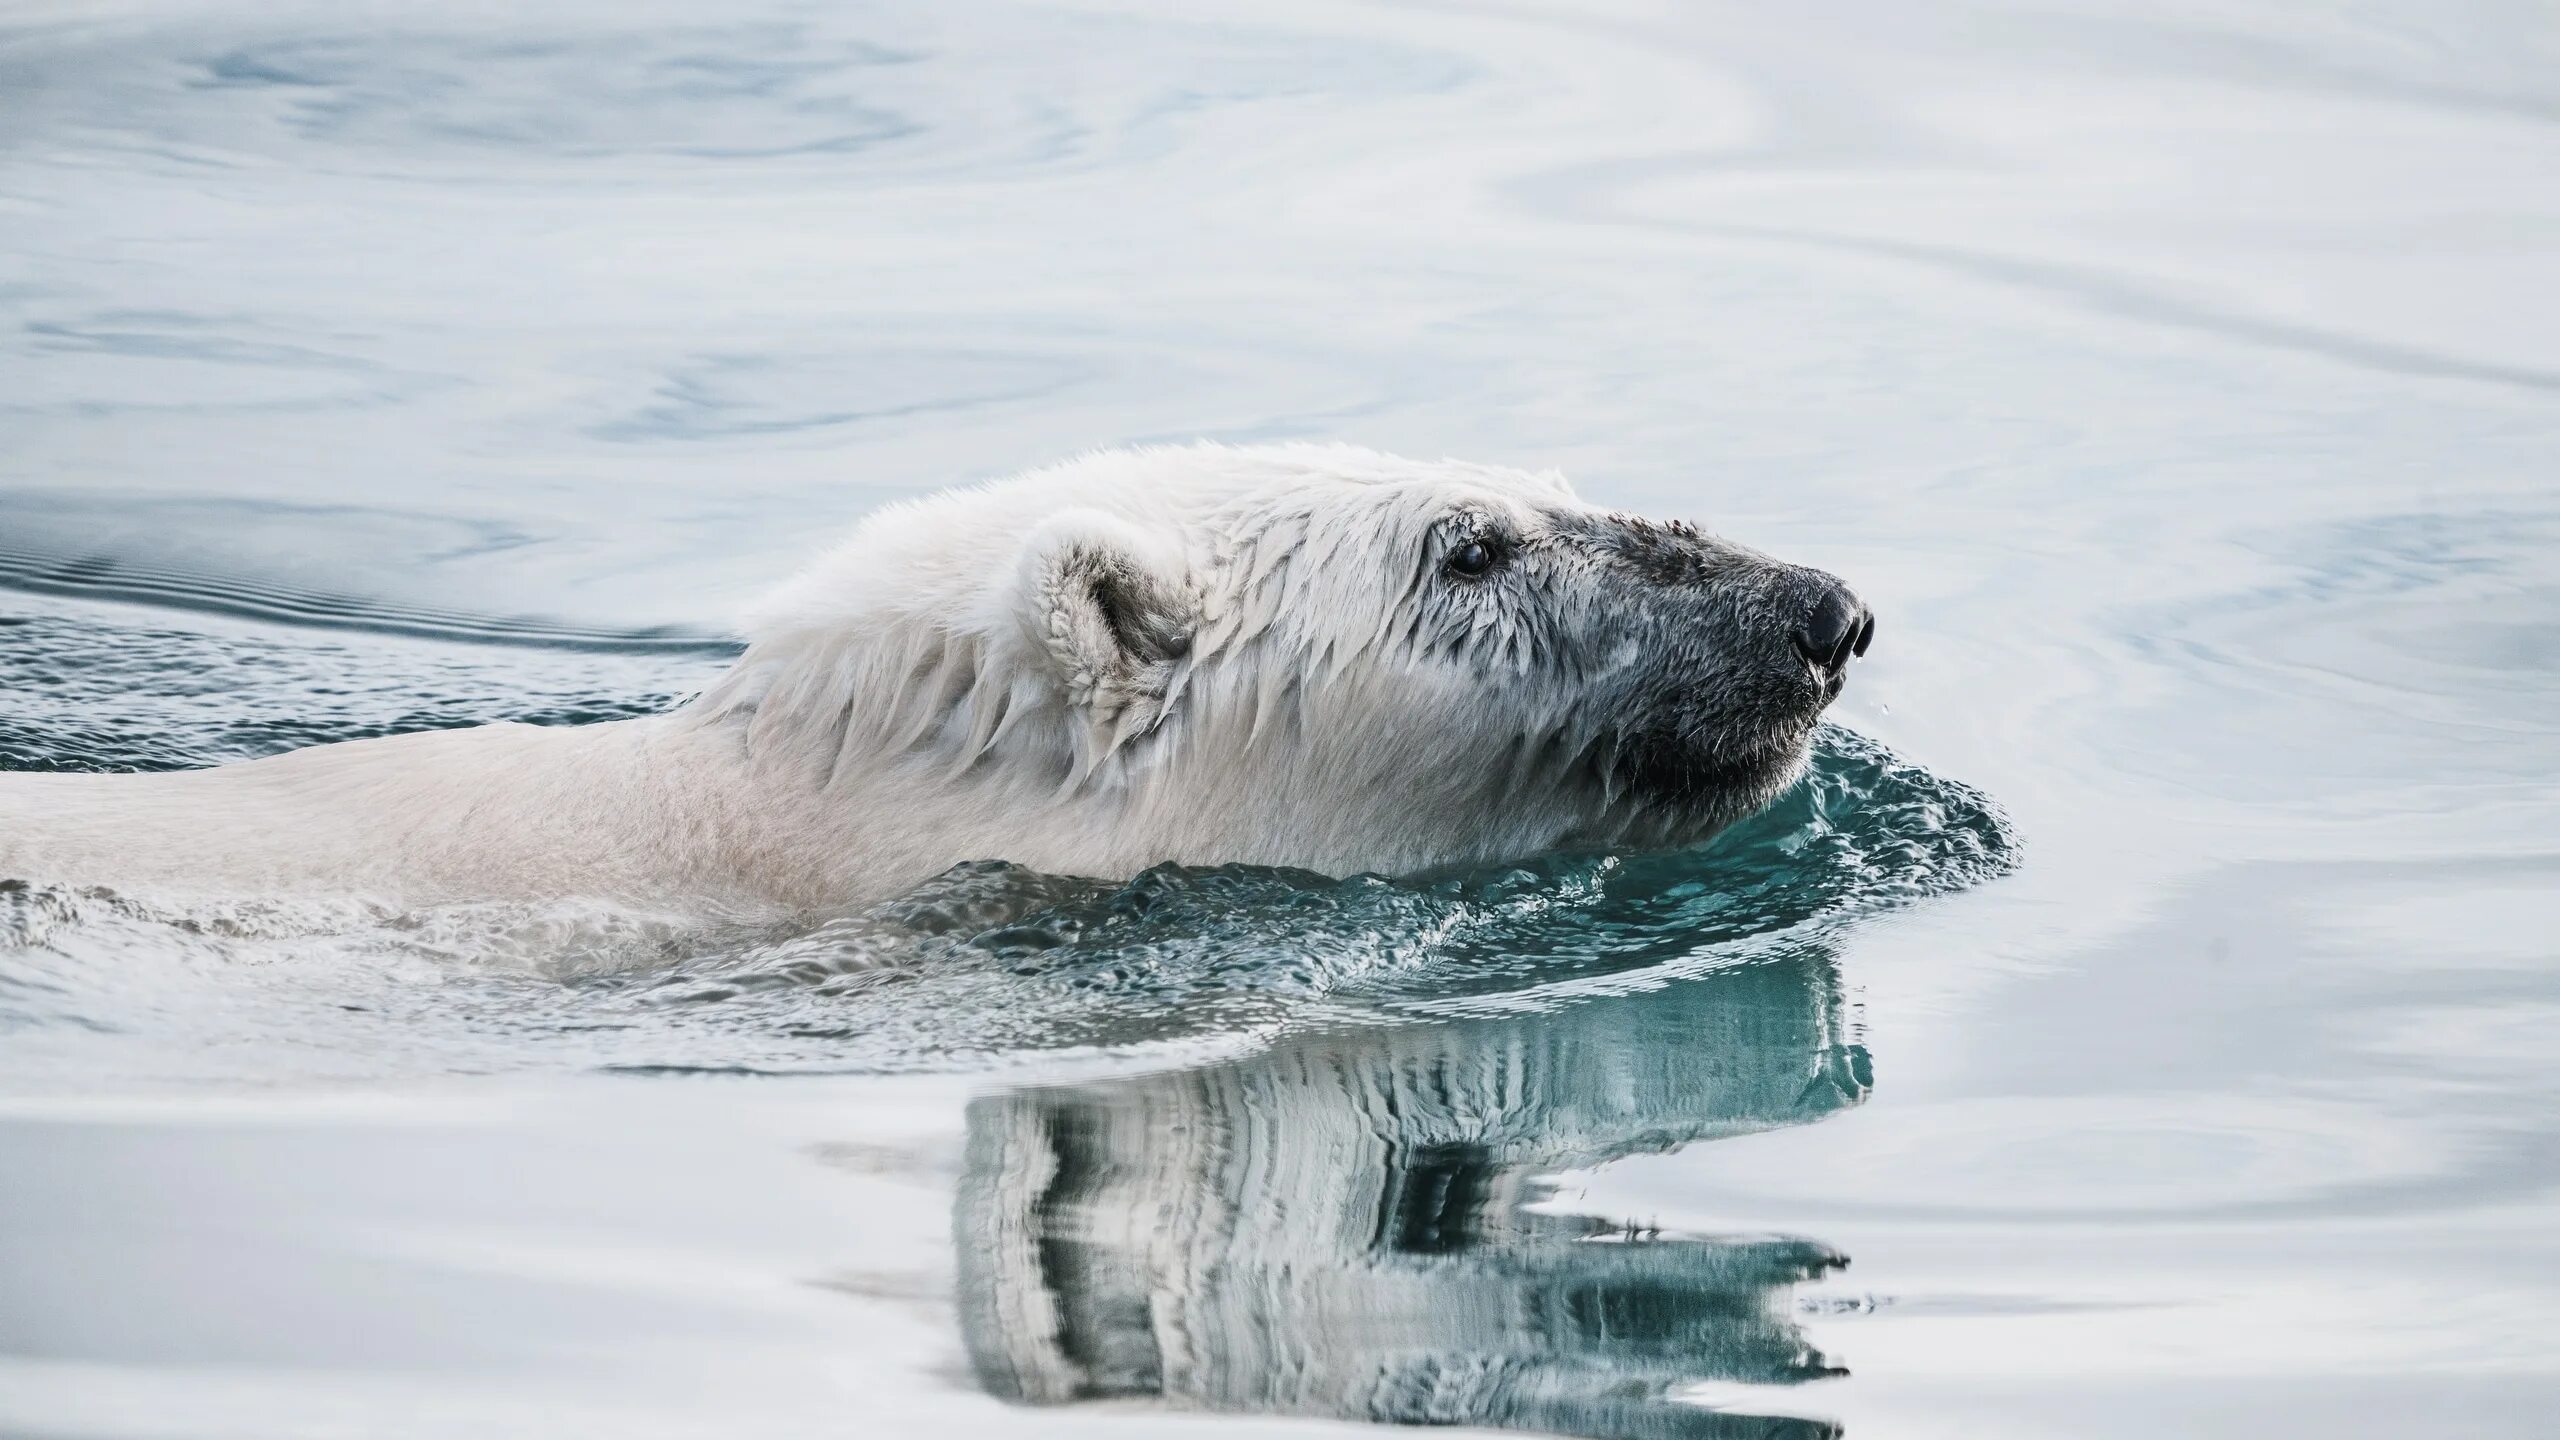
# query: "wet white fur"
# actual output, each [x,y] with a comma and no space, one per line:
[943,687]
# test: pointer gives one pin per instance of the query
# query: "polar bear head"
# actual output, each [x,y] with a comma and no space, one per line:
[1314,656]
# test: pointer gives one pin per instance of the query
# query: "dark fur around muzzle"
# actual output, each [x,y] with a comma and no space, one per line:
[1742,653]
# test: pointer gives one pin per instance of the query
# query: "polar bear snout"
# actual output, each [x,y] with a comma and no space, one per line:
[1836,626]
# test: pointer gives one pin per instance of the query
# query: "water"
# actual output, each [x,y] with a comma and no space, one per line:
[2139,1026]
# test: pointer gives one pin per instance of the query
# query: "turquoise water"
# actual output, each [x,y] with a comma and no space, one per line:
[2138,1024]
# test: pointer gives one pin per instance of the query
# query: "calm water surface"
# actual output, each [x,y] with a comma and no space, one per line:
[2139,1024]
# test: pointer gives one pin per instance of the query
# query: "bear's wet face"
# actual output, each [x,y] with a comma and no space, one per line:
[1745,653]
[1700,665]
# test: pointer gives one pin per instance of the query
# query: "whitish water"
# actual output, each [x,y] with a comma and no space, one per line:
[2140,1024]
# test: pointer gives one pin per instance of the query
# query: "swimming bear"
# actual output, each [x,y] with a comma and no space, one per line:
[1314,656]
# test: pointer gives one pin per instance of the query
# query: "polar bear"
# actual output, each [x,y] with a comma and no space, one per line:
[1302,655]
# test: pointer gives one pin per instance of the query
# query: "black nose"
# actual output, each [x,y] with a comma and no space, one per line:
[1836,628]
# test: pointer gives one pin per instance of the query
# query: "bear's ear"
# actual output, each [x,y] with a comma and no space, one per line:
[1110,607]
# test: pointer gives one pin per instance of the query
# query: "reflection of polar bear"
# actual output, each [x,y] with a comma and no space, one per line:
[1310,656]
[1344,1225]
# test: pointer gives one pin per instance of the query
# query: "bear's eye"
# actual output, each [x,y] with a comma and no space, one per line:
[1472,559]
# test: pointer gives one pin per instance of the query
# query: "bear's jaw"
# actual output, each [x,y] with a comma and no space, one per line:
[1675,788]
